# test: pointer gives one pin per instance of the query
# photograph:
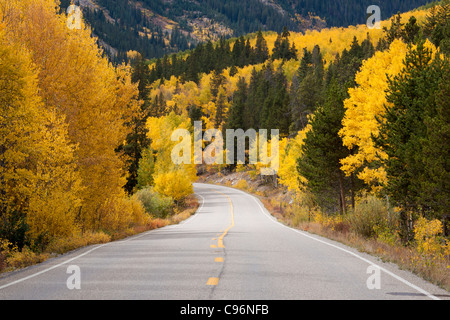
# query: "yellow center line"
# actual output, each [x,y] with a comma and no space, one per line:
[214,281]
[220,241]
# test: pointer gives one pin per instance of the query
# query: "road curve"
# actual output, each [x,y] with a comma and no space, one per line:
[232,248]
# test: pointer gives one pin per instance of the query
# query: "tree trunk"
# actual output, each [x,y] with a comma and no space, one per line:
[342,195]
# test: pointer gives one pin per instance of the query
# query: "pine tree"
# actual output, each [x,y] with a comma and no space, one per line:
[261,49]
[309,92]
[322,151]
[217,80]
[403,134]
[411,31]
[436,153]
[395,31]
[137,140]
[220,109]
[236,113]
[276,105]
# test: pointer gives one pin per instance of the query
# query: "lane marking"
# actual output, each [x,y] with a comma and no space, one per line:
[218,259]
[220,241]
[51,268]
[212,282]
[102,245]
[271,218]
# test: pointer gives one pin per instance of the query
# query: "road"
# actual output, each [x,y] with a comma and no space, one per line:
[232,248]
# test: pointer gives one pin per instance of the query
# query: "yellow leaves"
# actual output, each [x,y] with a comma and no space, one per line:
[431,244]
[57,188]
[174,184]
[367,101]
[289,154]
[38,166]
[74,106]
[170,179]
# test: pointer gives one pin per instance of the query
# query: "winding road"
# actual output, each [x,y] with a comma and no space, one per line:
[232,248]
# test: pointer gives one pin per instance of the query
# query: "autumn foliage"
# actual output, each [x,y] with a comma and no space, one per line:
[86,147]
[64,109]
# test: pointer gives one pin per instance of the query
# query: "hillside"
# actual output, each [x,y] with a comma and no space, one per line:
[157,27]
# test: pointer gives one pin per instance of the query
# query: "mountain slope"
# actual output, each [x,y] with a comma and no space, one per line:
[157,27]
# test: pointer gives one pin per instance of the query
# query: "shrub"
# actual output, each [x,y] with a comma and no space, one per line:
[431,244]
[371,217]
[155,204]
[176,185]
[122,213]
[332,222]
[241,184]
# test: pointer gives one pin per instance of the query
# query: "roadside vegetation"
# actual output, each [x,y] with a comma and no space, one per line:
[372,227]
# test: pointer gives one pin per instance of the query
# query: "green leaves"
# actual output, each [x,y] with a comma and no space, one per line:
[409,130]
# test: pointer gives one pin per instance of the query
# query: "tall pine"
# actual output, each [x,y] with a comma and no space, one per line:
[414,167]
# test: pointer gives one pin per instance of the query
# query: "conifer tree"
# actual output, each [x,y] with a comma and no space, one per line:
[137,140]
[261,49]
[405,137]
[322,151]
[236,113]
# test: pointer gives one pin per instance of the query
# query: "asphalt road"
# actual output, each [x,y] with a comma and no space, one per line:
[232,248]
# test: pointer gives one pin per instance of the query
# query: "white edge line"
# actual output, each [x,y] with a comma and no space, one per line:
[51,268]
[97,247]
[271,218]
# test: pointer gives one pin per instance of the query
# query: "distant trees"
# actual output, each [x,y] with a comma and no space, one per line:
[208,57]
[282,48]
[263,104]
[342,13]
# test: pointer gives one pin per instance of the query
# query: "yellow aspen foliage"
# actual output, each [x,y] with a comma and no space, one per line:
[430,242]
[171,179]
[57,187]
[334,40]
[367,101]
[174,184]
[39,180]
[95,98]
[288,173]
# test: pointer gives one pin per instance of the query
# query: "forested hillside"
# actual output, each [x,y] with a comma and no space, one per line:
[343,13]
[157,27]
